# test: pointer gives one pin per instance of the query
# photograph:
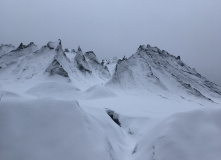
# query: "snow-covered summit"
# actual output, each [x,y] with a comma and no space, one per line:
[153,69]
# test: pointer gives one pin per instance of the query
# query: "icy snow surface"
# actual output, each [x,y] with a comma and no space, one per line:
[150,106]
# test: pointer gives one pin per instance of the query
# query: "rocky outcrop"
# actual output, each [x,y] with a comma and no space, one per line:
[56,68]
[96,66]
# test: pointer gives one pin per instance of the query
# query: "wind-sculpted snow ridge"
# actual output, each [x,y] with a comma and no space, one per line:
[153,69]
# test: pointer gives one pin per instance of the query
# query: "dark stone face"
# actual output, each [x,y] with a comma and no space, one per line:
[79,48]
[114,116]
[56,68]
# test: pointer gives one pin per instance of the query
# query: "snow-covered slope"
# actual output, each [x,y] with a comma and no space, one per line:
[6,48]
[111,64]
[21,51]
[26,63]
[184,136]
[155,70]
[57,104]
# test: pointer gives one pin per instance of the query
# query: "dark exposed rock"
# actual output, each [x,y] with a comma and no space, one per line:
[135,149]
[21,46]
[66,50]
[79,48]
[82,64]
[114,116]
[56,68]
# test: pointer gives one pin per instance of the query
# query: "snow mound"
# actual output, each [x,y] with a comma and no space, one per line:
[7,94]
[53,89]
[98,91]
[191,135]
[54,130]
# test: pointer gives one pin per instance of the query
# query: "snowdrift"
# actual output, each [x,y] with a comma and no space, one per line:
[98,91]
[54,90]
[184,136]
[54,130]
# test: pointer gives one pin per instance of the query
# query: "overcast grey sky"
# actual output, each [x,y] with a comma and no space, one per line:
[190,28]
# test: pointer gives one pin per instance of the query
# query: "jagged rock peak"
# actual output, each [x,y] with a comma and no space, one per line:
[149,48]
[54,45]
[66,50]
[124,58]
[157,52]
[21,46]
[56,68]
[31,44]
[120,60]
[79,48]
[90,55]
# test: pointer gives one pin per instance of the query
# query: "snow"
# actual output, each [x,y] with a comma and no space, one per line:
[53,90]
[161,104]
[190,135]
[98,91]
[51,129]
[6,48]
[14,54]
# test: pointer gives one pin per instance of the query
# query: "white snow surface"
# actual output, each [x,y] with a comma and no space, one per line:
[54,111]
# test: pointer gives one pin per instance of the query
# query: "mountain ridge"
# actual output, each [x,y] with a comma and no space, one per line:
[149,69]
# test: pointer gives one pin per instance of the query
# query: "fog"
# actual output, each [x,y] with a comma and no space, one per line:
[189,28]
